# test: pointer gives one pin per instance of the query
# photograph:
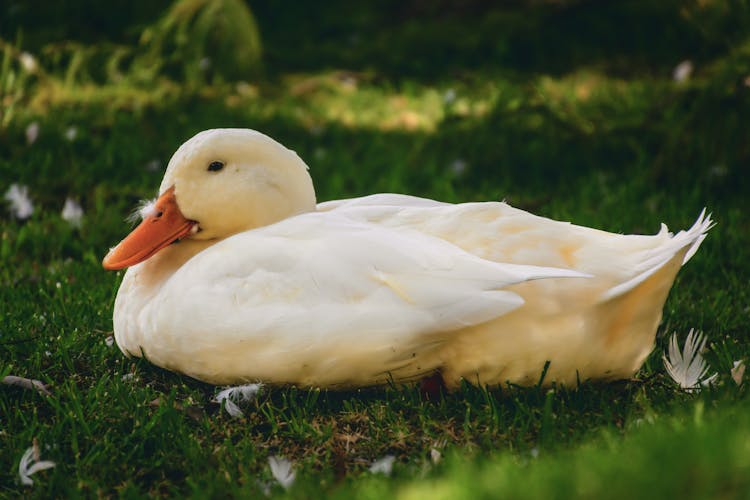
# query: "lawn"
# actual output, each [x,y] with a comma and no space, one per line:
[570,109]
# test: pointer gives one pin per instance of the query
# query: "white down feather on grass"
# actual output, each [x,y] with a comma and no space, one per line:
[282,471]
[233,398]
[30,464]
[687,367]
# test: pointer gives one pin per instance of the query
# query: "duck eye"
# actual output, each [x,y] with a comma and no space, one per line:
[215,166]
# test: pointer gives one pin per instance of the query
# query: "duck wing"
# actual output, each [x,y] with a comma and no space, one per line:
[322,276]
[498,232]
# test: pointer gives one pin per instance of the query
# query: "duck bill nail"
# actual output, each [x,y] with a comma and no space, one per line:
[160,228]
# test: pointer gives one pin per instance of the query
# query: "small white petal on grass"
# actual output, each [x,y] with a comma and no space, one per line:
[688,368]
[72,212]
[28,62]
[71,133]
[683,71]
[30,464]
[19,203]
[435,456]
[738,371]
[235,397]
[383,465]
[110,341]
[32,133]
[282,471]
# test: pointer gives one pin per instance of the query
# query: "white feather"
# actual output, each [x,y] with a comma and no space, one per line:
[383,466]
[145,209]
[72,212]
[19,203]
[738,371]
[30,465]
[235,397]
[282,471]
[688,368]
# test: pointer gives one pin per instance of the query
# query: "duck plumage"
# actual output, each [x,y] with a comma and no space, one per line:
[267,286]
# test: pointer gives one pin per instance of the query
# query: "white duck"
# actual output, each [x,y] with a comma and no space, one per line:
[265,285]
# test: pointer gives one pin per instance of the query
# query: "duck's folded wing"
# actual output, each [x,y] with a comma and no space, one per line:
[318,276]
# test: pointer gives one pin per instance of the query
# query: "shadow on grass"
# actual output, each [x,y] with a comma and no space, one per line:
[425,40]
[428,40]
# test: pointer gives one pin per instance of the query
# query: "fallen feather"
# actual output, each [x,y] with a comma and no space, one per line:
[32,133]
[688,368]
[20,204]
[683,71]
[282,471]
[30,464]
[28,62]
[72,212]
[738,372]
[26,383]
[383,465]
[71,133]
[234,397]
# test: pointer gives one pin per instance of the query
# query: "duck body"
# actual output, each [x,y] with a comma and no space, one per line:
[363,291]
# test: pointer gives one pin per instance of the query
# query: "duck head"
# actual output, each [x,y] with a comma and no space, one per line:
[219,183]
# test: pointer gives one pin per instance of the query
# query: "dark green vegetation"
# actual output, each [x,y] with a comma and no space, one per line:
[568,109]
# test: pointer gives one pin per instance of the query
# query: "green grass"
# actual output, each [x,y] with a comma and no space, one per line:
[595,133]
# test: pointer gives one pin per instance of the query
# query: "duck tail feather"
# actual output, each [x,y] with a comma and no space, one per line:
[696,234]
[685,241]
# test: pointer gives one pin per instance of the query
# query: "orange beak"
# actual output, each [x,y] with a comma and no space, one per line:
[162,227]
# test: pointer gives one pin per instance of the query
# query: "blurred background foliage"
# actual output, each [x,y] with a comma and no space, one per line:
[517,95]
[412,38]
